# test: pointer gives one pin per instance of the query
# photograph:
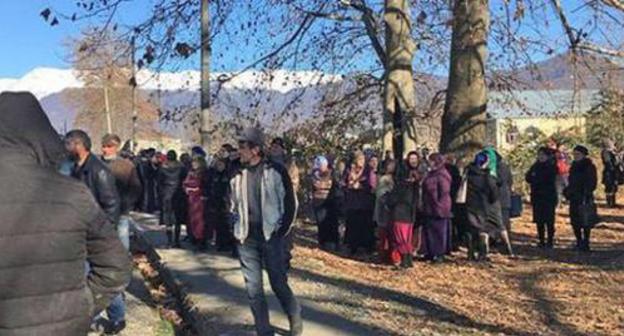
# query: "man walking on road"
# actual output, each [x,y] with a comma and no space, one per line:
[98,177]
[263,205]
[51,226]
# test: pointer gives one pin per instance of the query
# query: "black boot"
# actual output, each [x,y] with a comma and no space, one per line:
[409,261]
[541,233]
[551,235]
[176,242]
[169,237]
[471,246]
[586,234]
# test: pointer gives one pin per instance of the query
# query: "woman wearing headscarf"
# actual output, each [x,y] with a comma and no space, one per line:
[436,188]
[499,211]
[324,190]
[580,193]
[360,230]
[382,214]
[610,172]
[193,187]
[542,178]
[481,193]
[403,203]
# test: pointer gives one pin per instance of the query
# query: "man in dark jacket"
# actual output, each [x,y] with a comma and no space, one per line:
[580,193]
[263,206]
[51,226]
[610,172]
[94,173]
[129,189]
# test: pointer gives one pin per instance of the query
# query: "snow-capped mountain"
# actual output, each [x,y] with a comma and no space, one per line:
[43,82]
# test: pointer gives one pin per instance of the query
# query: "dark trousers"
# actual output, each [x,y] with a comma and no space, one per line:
[327,221]
[546,229]
[224,236]
[253,254]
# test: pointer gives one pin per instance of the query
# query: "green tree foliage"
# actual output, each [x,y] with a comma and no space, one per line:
[606,119]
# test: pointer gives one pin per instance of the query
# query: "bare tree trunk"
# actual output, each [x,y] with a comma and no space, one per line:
[464,119]
[107,111]
[205,74]
[399,99]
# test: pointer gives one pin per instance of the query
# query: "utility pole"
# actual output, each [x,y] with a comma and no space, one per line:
[133,83]
[205,75]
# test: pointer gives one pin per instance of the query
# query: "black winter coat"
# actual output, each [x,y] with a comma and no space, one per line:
[542,178]
[582,181]
[610,171]
[99,179]
[482,192]
[403,201]
[51,226]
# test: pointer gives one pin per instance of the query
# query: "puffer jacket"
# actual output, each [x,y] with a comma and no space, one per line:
[279,202]
[51,226]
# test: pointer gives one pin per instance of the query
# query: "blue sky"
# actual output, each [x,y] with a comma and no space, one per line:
[29,42]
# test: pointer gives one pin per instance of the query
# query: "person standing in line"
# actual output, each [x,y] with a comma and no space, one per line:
[193,187]
[360,230]
[403,203]
[263,206]
[99,179]
[216,191]
[148,173]
[51,227]
[610,172]
[129,189]
[94,173]
[481,193]
[436,189]
[324,189]
[455,232]
[580,194]
[170,184]
[382,215]
[542,178]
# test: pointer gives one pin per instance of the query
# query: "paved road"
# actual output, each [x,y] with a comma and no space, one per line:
[215,284]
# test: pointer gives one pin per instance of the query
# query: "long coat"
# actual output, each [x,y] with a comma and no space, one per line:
[542,178]
[610,171]
[51,226]
[194,189]
[481,194]
[437,194]
[580,192]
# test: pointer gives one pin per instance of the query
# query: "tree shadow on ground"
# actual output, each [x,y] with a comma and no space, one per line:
[605,256]
[430,310]
[546,306]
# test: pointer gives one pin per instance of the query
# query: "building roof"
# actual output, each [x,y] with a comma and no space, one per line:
[542,103]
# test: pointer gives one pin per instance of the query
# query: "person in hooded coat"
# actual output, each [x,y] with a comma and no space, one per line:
[324,201]
[542,177]
[51,226]
[148,173]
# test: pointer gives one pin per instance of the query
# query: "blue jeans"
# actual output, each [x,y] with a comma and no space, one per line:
[253,254]
[116,311]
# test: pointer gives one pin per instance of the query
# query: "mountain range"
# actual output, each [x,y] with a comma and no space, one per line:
[297,94]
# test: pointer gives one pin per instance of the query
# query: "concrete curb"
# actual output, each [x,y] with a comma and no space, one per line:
[184,304]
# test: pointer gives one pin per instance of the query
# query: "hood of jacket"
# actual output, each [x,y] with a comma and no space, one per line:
[26,131]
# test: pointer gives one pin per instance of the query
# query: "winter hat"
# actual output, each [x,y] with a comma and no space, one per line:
[319,161]
[198,151]
[481,159]
[581,149]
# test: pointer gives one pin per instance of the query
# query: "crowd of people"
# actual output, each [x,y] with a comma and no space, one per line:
[243,200]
